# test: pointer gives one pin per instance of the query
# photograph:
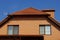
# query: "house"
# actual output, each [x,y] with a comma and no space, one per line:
[30,24]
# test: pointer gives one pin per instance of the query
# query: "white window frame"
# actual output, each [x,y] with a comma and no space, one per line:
[44,29]
[13,29]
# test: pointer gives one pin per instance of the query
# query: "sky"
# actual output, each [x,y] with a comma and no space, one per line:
[10,6]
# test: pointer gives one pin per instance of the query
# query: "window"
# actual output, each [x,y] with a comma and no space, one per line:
[13,29]
[42,30]
[45,29]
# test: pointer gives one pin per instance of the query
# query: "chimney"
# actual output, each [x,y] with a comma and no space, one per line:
[50,11]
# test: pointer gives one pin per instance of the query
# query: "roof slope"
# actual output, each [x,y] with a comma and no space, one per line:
[29,11]
[53,20]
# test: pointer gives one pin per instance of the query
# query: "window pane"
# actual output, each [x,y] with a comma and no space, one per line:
[41,29]
[16,29]
[10,30]
[47,29]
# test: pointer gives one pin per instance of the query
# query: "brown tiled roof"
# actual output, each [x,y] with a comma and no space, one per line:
[31,11]
[28,11]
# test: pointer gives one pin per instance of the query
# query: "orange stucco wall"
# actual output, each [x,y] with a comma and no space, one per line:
[31,27]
